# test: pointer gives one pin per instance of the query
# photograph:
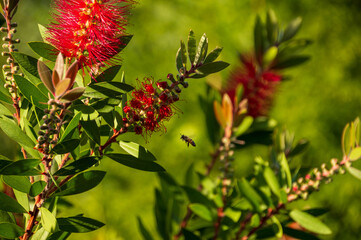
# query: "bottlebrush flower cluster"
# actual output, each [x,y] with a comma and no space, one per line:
[89,31]
[151,105]
[259,86]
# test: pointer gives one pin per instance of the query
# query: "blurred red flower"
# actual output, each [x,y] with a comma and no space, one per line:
[89,30]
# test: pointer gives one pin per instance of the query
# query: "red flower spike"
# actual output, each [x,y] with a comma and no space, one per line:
[149,107]
[89,31]
[259,88]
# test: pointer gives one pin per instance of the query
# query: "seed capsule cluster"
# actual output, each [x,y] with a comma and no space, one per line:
[49,130]
[11,67]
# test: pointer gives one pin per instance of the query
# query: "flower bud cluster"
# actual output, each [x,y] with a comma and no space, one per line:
[49,130]
[11,67]
[152,104]
[311,182]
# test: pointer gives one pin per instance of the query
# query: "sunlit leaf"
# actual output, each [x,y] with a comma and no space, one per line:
[48,220]
[133,162]
[79,224]
[137,151]
[310,222]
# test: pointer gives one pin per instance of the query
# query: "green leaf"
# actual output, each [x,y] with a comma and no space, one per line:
[244,126]
[354,172]
[299,234]
[22,199]
[258,39]
[213,55]
[4,163]
[191,46]
[355,154]
[20,183]
[73,124]
[212,67]
[291,62]
[201,211]
[292,29]
[250,194]
[4,110]
[125,41]
[10,231]
[195,196]
[270,55]
[31,92]
[137,151]
[48,220]
[106,105]
[5,217]
[44,50]
[37,188]
[201,50]
[77,166]
[107,89]
[12,130]
[8,204]
[5,96]
[79,224]
[40,234]
[309,222]
[81,183]
[66,146]
[92,130]
[108,74]
[285,169]
[28,65]
[179,60]
[42,31]
[272,26]
[299,148]
[133,162]
[272,181]
[143,230]
[23,167]
[59,236]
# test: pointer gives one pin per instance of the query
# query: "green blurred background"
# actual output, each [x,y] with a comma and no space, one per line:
[316,103]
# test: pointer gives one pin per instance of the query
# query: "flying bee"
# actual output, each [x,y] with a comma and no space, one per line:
[188,140]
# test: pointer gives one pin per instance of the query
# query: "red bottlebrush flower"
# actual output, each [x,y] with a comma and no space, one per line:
[89,30]
[152,106]
[258,87]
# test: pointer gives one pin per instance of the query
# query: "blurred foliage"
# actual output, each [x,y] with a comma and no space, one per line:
[316,103]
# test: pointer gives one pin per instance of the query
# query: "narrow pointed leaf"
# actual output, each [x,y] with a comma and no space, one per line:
[195,196]
[109,74]
[66,146]
[250,194]
[310,222]
[272,181]
[292,29]
[201,50]
[48,220]
[8,204]
[92,130]
[298,234]
[31,92]
[22,199]
[136,163]
[144,231]
[71,72]
[201,211]
[37,188]
[62,87]
[191,46]
[355,154]
[79,224]
[227,109]
[20,183]
[71,126]
[81,183]
[137,151]
[28,65]
[354,172]
[73,94]
[10,231]
[59,68]
[77,166]
[23,167]
[59,236]
[272,26]
[107,89]
[212,67]
[44,50]
[213,55]
[45,76]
